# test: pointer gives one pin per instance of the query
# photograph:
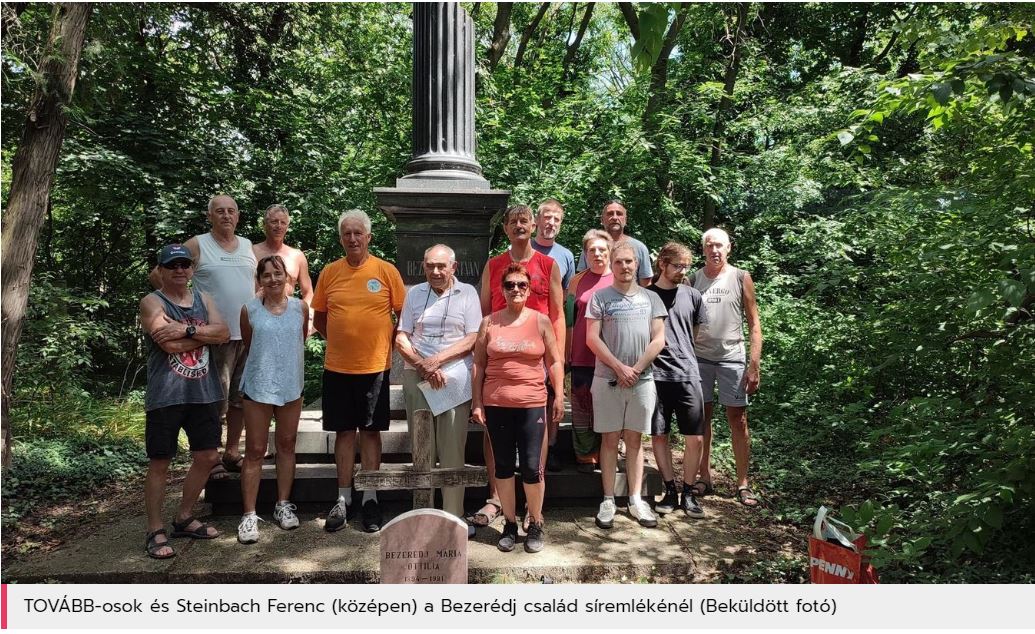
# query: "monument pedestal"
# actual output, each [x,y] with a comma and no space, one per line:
[447,212]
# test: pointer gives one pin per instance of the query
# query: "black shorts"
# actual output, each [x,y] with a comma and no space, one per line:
[355,401]
[682,398]
[201,422]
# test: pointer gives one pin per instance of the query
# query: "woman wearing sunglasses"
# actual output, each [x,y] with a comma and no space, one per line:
[509,398]
[273,328]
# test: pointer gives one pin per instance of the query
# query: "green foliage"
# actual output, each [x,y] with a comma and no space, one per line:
[877,174]
[47,471]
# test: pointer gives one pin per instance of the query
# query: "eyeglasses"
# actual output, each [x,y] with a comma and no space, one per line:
[179,264]
[510,286]
[679,267]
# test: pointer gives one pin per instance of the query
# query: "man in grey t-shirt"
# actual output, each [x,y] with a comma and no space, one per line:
[625,329]
[613,218]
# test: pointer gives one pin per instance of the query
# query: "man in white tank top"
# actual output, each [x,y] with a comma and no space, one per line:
[728,295]
[224,268]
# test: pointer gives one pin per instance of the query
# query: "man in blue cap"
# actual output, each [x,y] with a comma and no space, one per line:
[183,392]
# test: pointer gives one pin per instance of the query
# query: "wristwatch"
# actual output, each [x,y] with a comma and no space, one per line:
[191,329]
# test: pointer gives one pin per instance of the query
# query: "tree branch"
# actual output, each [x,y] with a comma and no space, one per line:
[500,33]
[629,13]
[526,35]
[573,48]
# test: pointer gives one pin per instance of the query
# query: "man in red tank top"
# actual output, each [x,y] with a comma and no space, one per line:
[546,295]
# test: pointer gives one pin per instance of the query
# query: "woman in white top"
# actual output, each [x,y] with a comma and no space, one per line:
[273,328]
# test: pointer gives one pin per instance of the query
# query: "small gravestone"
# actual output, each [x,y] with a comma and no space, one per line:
[424,546]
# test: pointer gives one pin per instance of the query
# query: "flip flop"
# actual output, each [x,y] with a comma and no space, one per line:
[152,546]
[482,518]
[201,532]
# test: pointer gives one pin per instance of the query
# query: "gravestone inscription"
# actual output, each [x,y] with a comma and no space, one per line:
[424,546]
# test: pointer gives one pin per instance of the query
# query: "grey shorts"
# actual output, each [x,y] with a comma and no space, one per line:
[730,375]
[230,358]
[618,408]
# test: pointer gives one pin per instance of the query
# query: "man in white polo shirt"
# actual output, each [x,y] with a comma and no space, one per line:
[438,327]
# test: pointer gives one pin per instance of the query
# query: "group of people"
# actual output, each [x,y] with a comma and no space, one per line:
[642,347]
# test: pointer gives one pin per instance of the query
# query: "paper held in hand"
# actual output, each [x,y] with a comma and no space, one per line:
[456,391]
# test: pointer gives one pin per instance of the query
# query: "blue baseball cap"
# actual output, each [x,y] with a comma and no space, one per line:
[173,252]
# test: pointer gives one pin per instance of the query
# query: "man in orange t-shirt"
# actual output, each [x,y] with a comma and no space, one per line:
[356,306]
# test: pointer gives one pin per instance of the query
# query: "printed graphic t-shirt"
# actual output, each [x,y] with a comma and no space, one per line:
[359,302]
[625,325]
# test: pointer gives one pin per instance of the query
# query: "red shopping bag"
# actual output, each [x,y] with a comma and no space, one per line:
[836,553]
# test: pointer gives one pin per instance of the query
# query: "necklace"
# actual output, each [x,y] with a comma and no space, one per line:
[445,313]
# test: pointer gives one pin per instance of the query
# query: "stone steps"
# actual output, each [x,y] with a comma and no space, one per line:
[315,486]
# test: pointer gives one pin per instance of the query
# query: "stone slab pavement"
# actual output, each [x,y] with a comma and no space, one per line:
[110,550]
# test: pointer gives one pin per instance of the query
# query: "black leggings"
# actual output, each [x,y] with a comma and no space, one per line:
[517,428]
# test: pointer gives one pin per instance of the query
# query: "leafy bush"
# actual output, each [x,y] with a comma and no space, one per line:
[45,471]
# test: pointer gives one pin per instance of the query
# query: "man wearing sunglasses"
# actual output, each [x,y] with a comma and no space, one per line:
[224,268]
[183,392]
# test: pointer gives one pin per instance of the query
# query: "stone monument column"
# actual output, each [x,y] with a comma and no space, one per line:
[443,196]
[443,95]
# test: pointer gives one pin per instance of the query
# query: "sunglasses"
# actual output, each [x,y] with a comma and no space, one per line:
[522,286]
[179,264]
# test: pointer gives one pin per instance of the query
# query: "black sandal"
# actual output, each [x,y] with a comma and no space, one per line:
[232,465]
[201,532]
[152,546]
[706,488]
[745,494]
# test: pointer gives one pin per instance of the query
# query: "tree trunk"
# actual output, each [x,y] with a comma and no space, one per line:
[500,33]
[858,43]
[719,127]
[658,97]
[32,175]
[567,74]
[526,35]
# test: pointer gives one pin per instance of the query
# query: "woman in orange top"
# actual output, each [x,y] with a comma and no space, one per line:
[509,398]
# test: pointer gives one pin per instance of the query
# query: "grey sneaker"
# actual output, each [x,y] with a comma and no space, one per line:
[667,503]
[641,513]
[336,518]
[606,514]
[248,529]
[690,505]
[284,515]
[509,537]
[534,540]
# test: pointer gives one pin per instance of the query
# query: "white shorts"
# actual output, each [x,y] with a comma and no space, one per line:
[617,408]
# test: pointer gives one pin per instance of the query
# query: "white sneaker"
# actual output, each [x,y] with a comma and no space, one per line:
[641,512]
[248,529]
[284,515]
[606,514]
